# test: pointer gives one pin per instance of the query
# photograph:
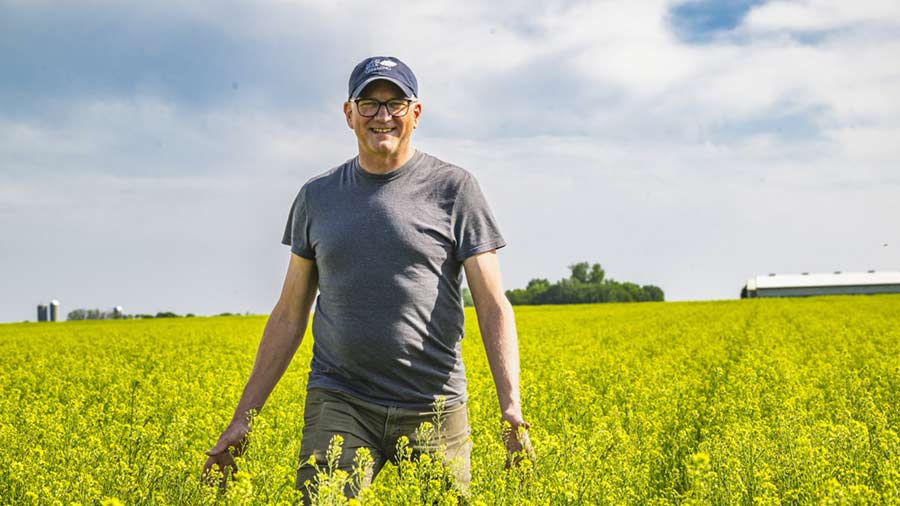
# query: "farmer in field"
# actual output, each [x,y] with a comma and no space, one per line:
[385,237]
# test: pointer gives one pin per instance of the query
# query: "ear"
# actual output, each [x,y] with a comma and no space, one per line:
[416,112]
[348,114]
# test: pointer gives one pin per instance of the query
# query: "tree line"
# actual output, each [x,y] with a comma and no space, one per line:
[100,314]
[586,284]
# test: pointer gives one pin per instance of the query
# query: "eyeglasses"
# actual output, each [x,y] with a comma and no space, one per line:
[397,107]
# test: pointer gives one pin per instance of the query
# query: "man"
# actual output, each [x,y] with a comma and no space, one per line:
[384,237]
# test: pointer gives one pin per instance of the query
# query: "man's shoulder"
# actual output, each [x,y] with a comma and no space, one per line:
[330,174]
[445,171]
[324,180]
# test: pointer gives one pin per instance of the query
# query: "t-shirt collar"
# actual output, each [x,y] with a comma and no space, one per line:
[399,171]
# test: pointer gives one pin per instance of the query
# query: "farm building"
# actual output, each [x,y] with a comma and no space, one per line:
[836,283]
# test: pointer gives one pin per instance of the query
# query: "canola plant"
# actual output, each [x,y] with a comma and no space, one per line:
[788,401]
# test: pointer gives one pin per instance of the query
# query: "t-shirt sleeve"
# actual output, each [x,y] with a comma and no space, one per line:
[296,232]
[475,229]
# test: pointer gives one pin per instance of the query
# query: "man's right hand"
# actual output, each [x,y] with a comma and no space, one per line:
[282,335]
[232,443]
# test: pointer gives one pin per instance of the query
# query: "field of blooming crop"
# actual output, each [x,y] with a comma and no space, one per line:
[792,402]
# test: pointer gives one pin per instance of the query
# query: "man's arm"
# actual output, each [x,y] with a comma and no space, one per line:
[281,337]
[498,331]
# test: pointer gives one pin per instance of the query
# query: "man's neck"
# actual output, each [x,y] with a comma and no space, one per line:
[384,164]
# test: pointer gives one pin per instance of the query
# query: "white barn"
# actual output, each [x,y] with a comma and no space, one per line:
[836,283]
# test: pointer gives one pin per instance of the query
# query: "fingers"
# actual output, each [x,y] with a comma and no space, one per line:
[208,466]
[226,461]
[518,446]
[223,461]
[221,464]
[232,443]
[516,458]
[517,438]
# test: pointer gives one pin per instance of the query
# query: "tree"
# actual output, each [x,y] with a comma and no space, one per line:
[538,285]
[520,297]
[580,272]
[653,293]
[597,274]
[634,291]
[77,314]
[586,284]
[90,314]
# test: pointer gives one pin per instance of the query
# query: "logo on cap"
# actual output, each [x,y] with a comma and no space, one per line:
[374,65]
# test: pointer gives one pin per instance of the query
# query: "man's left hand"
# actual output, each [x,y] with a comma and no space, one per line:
[518,445]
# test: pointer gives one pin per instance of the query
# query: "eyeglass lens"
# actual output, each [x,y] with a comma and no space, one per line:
[369,107]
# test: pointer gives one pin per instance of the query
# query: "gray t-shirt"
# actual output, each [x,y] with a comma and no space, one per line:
[389,251]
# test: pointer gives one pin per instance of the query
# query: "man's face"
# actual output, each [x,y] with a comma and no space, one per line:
[384,134]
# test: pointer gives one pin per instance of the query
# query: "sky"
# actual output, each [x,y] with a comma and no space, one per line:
[150,152]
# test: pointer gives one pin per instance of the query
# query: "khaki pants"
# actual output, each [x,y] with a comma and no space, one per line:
[364,424]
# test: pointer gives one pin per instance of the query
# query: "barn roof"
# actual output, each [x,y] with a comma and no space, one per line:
[824,279]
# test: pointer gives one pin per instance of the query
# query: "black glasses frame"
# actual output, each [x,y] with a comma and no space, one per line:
[409,102]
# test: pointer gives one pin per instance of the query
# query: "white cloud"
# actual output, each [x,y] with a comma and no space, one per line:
[597,134]
[870,148]
[625,44]
[150,137]
[821,14]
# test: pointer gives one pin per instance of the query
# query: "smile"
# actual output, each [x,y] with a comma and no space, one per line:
[381,130]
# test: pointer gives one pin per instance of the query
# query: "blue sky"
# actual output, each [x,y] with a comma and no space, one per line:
[149,153]
[702,21]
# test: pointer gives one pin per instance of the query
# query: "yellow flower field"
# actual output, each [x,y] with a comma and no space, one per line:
[790,401]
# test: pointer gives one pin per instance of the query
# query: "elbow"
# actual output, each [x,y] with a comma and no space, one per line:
[294,321]
[502,306]
[503,311]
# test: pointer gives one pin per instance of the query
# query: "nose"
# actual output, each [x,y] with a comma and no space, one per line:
[382,113]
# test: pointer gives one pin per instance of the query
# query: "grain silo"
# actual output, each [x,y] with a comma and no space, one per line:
[42,312]
[54,310]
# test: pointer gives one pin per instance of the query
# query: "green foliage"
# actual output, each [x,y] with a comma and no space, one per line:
[580,272]
[99,314]
[94,314]
[597,274]
[467,297]
[756,402]
[586,284]
[330,482]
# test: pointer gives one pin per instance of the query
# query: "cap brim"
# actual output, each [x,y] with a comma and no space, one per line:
[405,89]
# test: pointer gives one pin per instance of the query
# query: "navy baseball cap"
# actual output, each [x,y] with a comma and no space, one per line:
[383,67]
